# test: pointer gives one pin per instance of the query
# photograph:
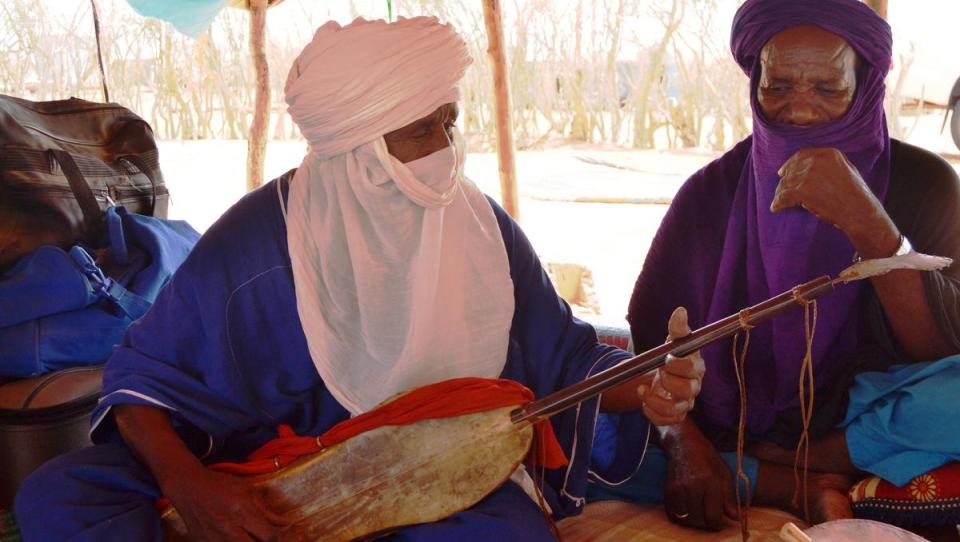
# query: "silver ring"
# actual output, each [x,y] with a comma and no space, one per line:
[682,516]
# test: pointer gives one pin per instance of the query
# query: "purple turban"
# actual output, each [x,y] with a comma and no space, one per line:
[720,249]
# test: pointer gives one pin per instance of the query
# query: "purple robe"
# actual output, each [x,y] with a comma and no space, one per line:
[720,248]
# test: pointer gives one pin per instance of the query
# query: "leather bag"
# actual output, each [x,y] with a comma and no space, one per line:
[62,163]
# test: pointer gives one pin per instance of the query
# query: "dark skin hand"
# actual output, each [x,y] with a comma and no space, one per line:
[829,454]
[668,394]
[664,396]
[221,507]
[215,506]
[808,78]
[218,507]
[699,489]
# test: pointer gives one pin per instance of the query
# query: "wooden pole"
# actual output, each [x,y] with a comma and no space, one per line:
[501,100]
[880,6]
[257,140]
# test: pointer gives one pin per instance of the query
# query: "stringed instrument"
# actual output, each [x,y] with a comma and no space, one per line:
[399,475]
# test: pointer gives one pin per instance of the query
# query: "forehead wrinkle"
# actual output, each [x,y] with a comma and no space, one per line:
[808,51]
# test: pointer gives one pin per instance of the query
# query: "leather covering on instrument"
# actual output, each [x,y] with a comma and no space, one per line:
[420,457]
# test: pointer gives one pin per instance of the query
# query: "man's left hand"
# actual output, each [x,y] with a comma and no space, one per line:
[670,395]
[825,183]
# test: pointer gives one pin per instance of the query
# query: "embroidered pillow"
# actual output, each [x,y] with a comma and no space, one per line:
[929,499]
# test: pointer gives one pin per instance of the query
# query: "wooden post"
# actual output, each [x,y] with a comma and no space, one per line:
[257,139]
[501,100]
[880,6]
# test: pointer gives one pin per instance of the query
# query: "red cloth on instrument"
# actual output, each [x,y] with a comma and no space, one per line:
[446,399]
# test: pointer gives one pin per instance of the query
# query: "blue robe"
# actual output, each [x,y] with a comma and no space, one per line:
[223,350]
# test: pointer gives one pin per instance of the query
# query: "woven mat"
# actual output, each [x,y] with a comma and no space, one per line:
[615,521]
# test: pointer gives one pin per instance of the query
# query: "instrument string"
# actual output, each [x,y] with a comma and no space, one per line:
[806,389]
[540,482]
[742,480]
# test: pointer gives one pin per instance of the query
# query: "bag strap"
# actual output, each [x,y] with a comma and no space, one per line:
[81,190]
[145,168]
[105,287]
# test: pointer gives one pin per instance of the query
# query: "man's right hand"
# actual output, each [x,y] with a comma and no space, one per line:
[221,507]
[699,489]
[214,506]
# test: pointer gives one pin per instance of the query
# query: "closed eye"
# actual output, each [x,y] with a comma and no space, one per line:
[831,91]
[776,89]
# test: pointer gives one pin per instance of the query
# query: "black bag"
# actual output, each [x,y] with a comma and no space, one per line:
[41,418]
[62,163]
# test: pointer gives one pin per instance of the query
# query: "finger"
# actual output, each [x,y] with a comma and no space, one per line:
[680,387]
[695,497]
[647,387]
[272,517]
[675,503]
[662,413]
[256,523]
[800,163]
[678,326]
[275,519]
[713,502]
[660,420]
[789,164]
[667,407]
[785,198]
[730,502]
[691,366]
[260,529]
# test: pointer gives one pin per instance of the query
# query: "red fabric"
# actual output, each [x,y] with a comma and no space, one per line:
[445,399]
[939,484]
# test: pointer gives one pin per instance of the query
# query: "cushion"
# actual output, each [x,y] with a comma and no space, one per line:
[929,499]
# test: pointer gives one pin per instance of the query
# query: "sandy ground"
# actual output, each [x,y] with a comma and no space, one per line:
[206,177]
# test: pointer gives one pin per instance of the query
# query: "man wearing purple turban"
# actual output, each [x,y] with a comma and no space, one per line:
[818,184]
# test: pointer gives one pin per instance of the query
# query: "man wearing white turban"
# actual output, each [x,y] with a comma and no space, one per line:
[375,268]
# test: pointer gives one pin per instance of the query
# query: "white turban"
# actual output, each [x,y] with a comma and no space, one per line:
[354,83]
[399,284]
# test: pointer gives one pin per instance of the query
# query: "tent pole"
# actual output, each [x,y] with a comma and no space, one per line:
[257,140]
[492,15]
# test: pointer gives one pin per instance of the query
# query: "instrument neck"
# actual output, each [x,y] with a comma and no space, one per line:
[655,358]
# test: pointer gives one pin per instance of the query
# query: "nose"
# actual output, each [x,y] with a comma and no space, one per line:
[800,113]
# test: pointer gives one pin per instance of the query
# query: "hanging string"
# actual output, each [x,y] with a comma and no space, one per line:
[540,474]
[806,412]
[96,33]
[739,362]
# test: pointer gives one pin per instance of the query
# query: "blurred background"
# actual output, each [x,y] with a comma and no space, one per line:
[615,104]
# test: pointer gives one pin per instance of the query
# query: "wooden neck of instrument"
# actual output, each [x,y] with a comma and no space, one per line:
[656,357]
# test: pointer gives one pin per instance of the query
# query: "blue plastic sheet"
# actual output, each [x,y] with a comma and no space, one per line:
[190,17]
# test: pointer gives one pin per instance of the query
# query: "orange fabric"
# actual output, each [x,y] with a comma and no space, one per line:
[446,399]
